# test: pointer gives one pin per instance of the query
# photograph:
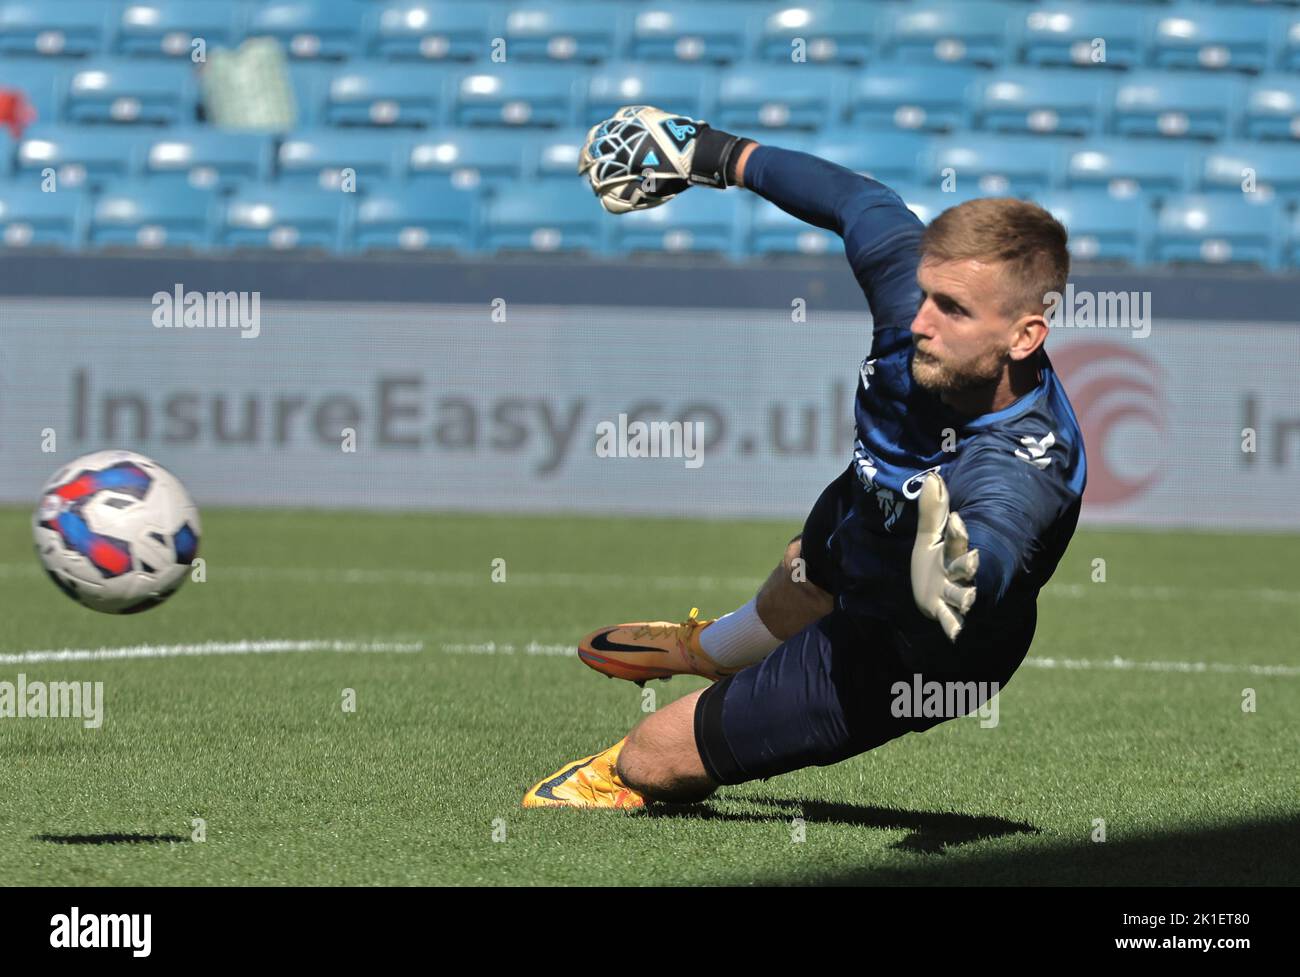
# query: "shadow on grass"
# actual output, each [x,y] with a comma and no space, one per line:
[109,839]
[931,832]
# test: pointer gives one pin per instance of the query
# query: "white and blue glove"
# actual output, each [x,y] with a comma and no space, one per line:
[943,564]
[644,156]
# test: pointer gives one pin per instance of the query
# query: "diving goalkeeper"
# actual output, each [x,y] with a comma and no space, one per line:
[924,559]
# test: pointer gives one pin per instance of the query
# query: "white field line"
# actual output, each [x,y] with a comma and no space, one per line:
[604,581]
[1118,664]
[267,647]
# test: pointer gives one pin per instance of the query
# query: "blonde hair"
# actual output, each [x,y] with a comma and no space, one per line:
[1022,235]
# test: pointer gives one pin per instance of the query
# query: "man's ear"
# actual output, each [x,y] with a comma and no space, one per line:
[1027,336]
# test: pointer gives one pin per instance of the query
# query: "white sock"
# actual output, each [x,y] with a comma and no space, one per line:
[739,638]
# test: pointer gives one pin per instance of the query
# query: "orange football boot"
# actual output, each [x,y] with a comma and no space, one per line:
[651,649]
[591,782]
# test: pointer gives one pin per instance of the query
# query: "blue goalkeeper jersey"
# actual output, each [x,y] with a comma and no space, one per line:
[1016,476]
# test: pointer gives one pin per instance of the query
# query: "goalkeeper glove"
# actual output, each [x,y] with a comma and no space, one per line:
[643,157]
[943,565]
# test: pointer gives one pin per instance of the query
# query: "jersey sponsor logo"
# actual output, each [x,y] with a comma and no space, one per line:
[1035,450]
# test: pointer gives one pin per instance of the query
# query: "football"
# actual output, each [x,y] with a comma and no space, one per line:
[116,532]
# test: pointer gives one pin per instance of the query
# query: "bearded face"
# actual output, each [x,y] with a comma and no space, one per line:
[957,374]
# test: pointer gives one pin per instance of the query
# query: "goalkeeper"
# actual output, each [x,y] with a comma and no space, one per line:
[922,562]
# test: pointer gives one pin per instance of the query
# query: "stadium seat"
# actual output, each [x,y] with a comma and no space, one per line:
[322,157]
[44,83]
[818,32]
[675,88]
[773,232]
[466,158]
[1064,101]
[68,28]
[927,203]
[689,30]
[518,95]
[277,217]
[207,157]
[1292,251]
[1242,167]
[712,223]
[553,155]
[1126,168]
[428,30]
[997,166]
[948,31]
[1217,229]
[1289,31]
[1272,109]
[891,157]
[32,218]
[149,215]
[565,218]
[310,29]
[1102,35]
[415,218]
[759,96]
[79,155]
[385,94]
[1200,36]
[1175,104]
[1101,227]
[556,30]
[933,98]
[129,92]
[169,28]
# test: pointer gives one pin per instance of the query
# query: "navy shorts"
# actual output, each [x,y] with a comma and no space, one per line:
[823,696]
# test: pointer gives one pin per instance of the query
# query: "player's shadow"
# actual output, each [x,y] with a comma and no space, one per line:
[110,839]
[930,832]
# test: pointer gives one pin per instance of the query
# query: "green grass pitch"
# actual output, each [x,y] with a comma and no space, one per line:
[422,783]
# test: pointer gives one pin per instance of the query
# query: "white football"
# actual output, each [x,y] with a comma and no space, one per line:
[116,531]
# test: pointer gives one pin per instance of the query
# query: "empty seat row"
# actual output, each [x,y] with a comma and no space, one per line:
[1185,229]
[791,98]
[1187,35]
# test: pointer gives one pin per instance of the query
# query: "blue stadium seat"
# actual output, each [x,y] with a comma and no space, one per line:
[689,30]
[556,30]
[1217,229]
[677,88]
[206,157]
[1272,108]
[927,203]
[1062,101]
[891,157]
[320,157]
[168,28]
[386,94]
[429,30]
[466,158]
[311,86]
[79,155]
[31,218]
[903,96]
[517,95]
[1288,30]
[1067,33]
[150,215]
[1292,251]
[1126,168]
[948,31]
[310,30]
[128,92]
[998,166]
[1270,170]
[45,85]
[1101,227]
[68,28]
[1175,104]
[1198,36]
[774,232]
[415,218]
[277,217]
[759,96]
[818,32]
[553,155]
[565,218]
[713,223]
